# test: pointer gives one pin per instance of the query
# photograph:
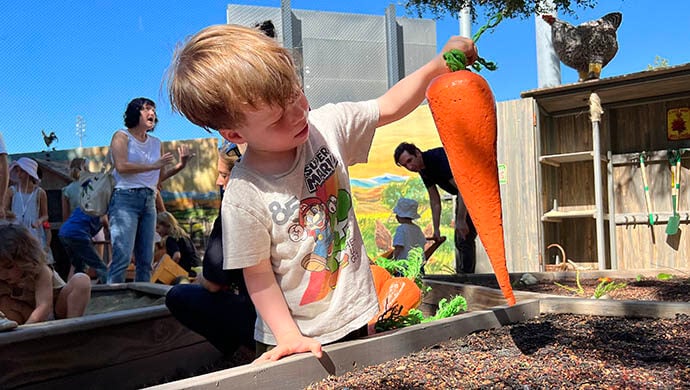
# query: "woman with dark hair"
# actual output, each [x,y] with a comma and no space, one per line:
[139,163]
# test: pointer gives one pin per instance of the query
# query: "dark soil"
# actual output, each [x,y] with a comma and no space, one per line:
[672,290]
[553,351]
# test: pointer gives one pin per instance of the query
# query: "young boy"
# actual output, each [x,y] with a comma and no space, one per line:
[287,212]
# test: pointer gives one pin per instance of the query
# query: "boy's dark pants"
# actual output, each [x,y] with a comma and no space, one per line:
[225,318]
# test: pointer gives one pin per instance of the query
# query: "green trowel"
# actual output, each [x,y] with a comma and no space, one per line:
[674,220]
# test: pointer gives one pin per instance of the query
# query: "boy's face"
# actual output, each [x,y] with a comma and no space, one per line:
[272,129]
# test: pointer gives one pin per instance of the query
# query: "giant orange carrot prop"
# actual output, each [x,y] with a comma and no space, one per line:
[464,111]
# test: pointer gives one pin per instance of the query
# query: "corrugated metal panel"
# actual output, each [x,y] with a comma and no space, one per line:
[343,56]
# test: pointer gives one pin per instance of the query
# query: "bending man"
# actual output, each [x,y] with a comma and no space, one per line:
[434,169]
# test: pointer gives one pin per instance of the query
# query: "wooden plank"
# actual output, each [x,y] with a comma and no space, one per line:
[138,373]
[630,88]
[48,351]
[56,355]
[609,307]
[517,150]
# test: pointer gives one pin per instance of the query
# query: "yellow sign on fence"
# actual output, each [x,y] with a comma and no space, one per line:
[678,123]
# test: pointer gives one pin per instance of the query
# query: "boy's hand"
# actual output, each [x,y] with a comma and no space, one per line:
[291,346]
[461,43]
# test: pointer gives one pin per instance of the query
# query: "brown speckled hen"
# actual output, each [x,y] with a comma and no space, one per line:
[588,47]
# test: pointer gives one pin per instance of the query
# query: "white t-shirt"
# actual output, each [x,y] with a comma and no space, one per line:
[408,236]
[303,220]
[146,152]
[3,148]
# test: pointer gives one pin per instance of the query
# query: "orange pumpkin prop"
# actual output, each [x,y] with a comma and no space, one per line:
[380,276]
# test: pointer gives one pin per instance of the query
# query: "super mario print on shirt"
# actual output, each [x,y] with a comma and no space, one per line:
[323,218]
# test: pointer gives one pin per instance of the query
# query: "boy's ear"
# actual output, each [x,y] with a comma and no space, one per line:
[232,136]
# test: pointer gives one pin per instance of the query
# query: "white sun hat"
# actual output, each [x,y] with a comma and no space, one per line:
[406,208]
[27,165]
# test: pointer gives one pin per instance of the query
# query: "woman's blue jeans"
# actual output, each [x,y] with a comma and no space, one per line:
[132,218]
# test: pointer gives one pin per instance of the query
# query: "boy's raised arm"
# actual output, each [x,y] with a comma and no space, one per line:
[408,93]
[271,306]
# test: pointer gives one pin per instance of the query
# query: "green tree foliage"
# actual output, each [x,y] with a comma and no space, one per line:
[659,63]
[413,188]
[510,8]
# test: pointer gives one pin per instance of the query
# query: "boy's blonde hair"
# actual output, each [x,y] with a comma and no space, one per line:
[225,69]
[175,230]
[19,247]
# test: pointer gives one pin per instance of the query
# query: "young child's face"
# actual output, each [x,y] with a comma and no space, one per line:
[272,129]
[10,272]
[162,229]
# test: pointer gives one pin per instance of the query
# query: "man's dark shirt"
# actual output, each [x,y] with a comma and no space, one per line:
[437,170]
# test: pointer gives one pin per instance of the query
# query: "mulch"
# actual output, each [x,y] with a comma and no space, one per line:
[671,290]
[552,351]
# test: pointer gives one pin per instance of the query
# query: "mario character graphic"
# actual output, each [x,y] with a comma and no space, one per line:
[325,222]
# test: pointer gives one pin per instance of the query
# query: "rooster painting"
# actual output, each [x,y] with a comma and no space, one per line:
[588,47]
[49,138]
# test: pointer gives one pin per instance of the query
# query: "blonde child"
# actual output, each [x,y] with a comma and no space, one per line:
[30,291]
[287,213]
[178,244]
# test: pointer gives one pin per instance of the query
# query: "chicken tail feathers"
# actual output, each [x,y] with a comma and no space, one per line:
[615,18]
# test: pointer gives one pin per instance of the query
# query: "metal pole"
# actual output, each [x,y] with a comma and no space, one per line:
[392,55]
[286,16]
[465,19]
[548,64]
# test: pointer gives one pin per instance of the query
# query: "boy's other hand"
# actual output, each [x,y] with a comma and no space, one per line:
[291,346]
[462,43]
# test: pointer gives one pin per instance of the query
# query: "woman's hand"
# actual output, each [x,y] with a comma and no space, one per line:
[165,159]
[184,154]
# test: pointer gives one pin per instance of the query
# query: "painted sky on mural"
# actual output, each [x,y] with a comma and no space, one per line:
[66,58]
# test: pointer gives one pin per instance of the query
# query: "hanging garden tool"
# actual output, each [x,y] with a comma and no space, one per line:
[464,111]
[647,198]
[674,220]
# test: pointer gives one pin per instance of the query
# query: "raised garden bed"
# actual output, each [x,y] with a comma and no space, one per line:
[537,327]
[128,347]
[641,285]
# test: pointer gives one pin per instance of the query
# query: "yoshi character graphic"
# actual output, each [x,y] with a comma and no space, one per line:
[325,222]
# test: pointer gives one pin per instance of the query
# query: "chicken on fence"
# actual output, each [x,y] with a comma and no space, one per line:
[587,48]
